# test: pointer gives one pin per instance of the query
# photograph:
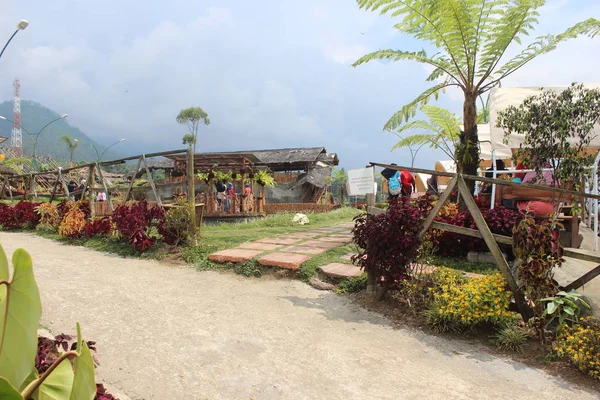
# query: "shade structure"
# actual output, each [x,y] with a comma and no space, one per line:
[444,166]
[487,146]
[421,182]
[502,98]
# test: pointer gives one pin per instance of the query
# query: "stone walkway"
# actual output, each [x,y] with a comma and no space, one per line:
[290,251]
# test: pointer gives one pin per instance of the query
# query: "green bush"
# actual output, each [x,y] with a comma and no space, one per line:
[511,338]
[248,269]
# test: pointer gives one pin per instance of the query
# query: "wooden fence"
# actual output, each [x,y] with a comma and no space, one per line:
[483,231]
[297,207]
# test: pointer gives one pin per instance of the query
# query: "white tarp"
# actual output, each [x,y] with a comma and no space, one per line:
[501,98]
[486,145]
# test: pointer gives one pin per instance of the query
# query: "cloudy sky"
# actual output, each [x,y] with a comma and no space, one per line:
[270,73]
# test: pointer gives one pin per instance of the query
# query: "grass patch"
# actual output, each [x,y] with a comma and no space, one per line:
[352,285]
[464,265]
[108,245]
[309,268]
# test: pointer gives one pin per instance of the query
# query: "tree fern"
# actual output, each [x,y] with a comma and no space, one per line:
[472,36]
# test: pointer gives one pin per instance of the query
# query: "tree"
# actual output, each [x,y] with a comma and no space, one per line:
[443,132]
[558,127]
[193,117]
[338,180]
[471,38]
[71,146]
[189,139]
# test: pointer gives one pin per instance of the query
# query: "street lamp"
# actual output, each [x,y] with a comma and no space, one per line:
[20,26]
[100,155]
[37,135]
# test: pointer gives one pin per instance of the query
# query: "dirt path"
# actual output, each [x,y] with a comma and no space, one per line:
[174,333]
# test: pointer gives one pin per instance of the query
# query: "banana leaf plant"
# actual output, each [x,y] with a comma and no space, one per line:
[71,376]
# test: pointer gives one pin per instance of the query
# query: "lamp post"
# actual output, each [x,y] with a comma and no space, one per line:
[34,140]
[20,26]
[100,155]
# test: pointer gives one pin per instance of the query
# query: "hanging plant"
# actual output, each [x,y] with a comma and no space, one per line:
[251,175]
[234,175]
[211,175]
[203,176]
[263,178]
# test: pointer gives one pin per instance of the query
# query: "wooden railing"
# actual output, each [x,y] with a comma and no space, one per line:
[483,231]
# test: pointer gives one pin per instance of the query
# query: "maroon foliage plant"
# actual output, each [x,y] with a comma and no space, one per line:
[389,241]
[136,222]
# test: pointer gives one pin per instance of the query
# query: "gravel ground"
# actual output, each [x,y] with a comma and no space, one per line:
[167,332]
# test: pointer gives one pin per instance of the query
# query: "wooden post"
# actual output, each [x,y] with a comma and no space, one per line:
[371,278]
[137,168]
[101,176]
[438,206]
[55,186]
[152,185]
[3,187]
[91,198]
[463,189]
[10,190]
[32,184]
[191,198]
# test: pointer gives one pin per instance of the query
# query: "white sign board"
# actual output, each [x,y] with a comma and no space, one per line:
[361,181]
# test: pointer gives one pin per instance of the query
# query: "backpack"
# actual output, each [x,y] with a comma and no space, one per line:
[394,184]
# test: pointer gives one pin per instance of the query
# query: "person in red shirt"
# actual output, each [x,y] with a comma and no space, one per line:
[408,183]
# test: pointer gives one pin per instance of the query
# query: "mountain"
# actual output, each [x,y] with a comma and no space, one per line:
[33,118]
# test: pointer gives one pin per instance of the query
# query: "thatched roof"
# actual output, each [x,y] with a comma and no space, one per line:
[318,176]
[295,159]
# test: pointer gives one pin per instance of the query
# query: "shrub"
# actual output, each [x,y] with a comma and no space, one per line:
[97,227]
[581,345]
[470,301]
[73,221]
[511,338]
[49,216]
[389,241]
[21,215]
[175,229]
[137,222]
[536,246]
[500,220]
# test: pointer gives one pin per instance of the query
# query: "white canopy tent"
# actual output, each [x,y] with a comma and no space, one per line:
[501,98]
[486,145]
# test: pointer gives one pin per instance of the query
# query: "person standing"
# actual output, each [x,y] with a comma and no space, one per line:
[408,183]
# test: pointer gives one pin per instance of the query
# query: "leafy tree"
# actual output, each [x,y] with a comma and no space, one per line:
[443,131]
[339,177]
[471,38]
[557,127]
[190,140]
[193,117]
[71,146]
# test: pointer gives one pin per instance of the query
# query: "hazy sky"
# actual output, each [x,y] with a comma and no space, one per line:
[270,74]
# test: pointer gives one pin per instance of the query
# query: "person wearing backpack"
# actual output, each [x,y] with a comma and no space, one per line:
[394,182]
[408,183]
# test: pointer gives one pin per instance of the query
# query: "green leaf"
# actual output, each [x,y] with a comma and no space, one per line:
[58,384]
[20,315]
[569,310]
[4,272]
[84,383]
[8,391]
[551,308]
[562,293]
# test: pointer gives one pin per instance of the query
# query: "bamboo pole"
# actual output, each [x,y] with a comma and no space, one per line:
[152,185]
[191,198]
[137,168]
[91,199]
[101,176]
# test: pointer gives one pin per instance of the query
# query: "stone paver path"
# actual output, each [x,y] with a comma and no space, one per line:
[339,270]
[288,251]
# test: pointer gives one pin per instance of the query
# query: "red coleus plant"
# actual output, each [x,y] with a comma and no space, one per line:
[136,222]
[21,215]
[99,226]
[389,241]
